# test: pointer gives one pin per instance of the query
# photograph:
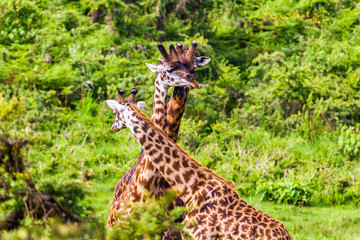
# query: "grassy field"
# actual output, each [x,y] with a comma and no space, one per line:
[315,223]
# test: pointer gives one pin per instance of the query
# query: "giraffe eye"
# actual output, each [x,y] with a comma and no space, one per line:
[170,70]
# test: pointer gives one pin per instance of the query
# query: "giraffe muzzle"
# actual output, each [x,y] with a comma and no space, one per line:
[194,82]
[115,127]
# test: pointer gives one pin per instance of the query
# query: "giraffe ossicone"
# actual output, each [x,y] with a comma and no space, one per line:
[216,209]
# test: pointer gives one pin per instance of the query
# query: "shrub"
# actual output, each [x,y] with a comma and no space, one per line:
[349,141]
[285,192]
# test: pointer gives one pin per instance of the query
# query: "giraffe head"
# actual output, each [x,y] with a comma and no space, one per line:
[170,64]
[119,107]
[188,59]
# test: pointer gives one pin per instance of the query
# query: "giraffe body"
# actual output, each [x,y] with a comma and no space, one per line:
[216,210]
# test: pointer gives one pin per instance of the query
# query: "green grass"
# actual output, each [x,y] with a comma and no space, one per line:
[315,223]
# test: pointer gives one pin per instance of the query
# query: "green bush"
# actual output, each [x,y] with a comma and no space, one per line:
[349,142]
[20,21]
[288,192]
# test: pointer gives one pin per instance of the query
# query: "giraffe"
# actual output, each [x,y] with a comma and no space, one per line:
[216,209]
[143,177]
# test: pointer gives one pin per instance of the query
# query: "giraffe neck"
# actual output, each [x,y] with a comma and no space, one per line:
[158,116]
[183,173]
[175,110]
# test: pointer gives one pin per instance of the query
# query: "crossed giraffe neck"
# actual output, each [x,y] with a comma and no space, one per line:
[143,176]
[216,210]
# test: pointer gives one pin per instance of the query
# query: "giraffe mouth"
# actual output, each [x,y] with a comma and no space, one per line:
[116,127]
[193,83]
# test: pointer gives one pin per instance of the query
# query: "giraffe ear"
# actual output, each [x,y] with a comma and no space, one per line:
[115,106]
[140,105]
[202,61]
[154,67]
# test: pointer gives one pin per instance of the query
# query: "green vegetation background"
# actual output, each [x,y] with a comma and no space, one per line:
[279,112]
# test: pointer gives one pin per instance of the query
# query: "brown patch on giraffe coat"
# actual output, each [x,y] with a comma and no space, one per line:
[158,159]
[169,171]
[196,185]
[235,229]
[135,122]
[187,174]
[216,192]
[199,199]
[175,153]
[145,127]
[159,110]
[158,121]
[201,175]
[167,151]
[151,152]
[147,147]
[268,233]
[245,228]
[161,139]
[261,231]
[151,167]
[173,111]
[178,179]
[176,165]
[245,219]
[142,139]
[147,183]
[185,191]
[184,163]
[152,133]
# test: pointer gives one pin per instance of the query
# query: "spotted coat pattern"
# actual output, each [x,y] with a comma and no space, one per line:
[216,210]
